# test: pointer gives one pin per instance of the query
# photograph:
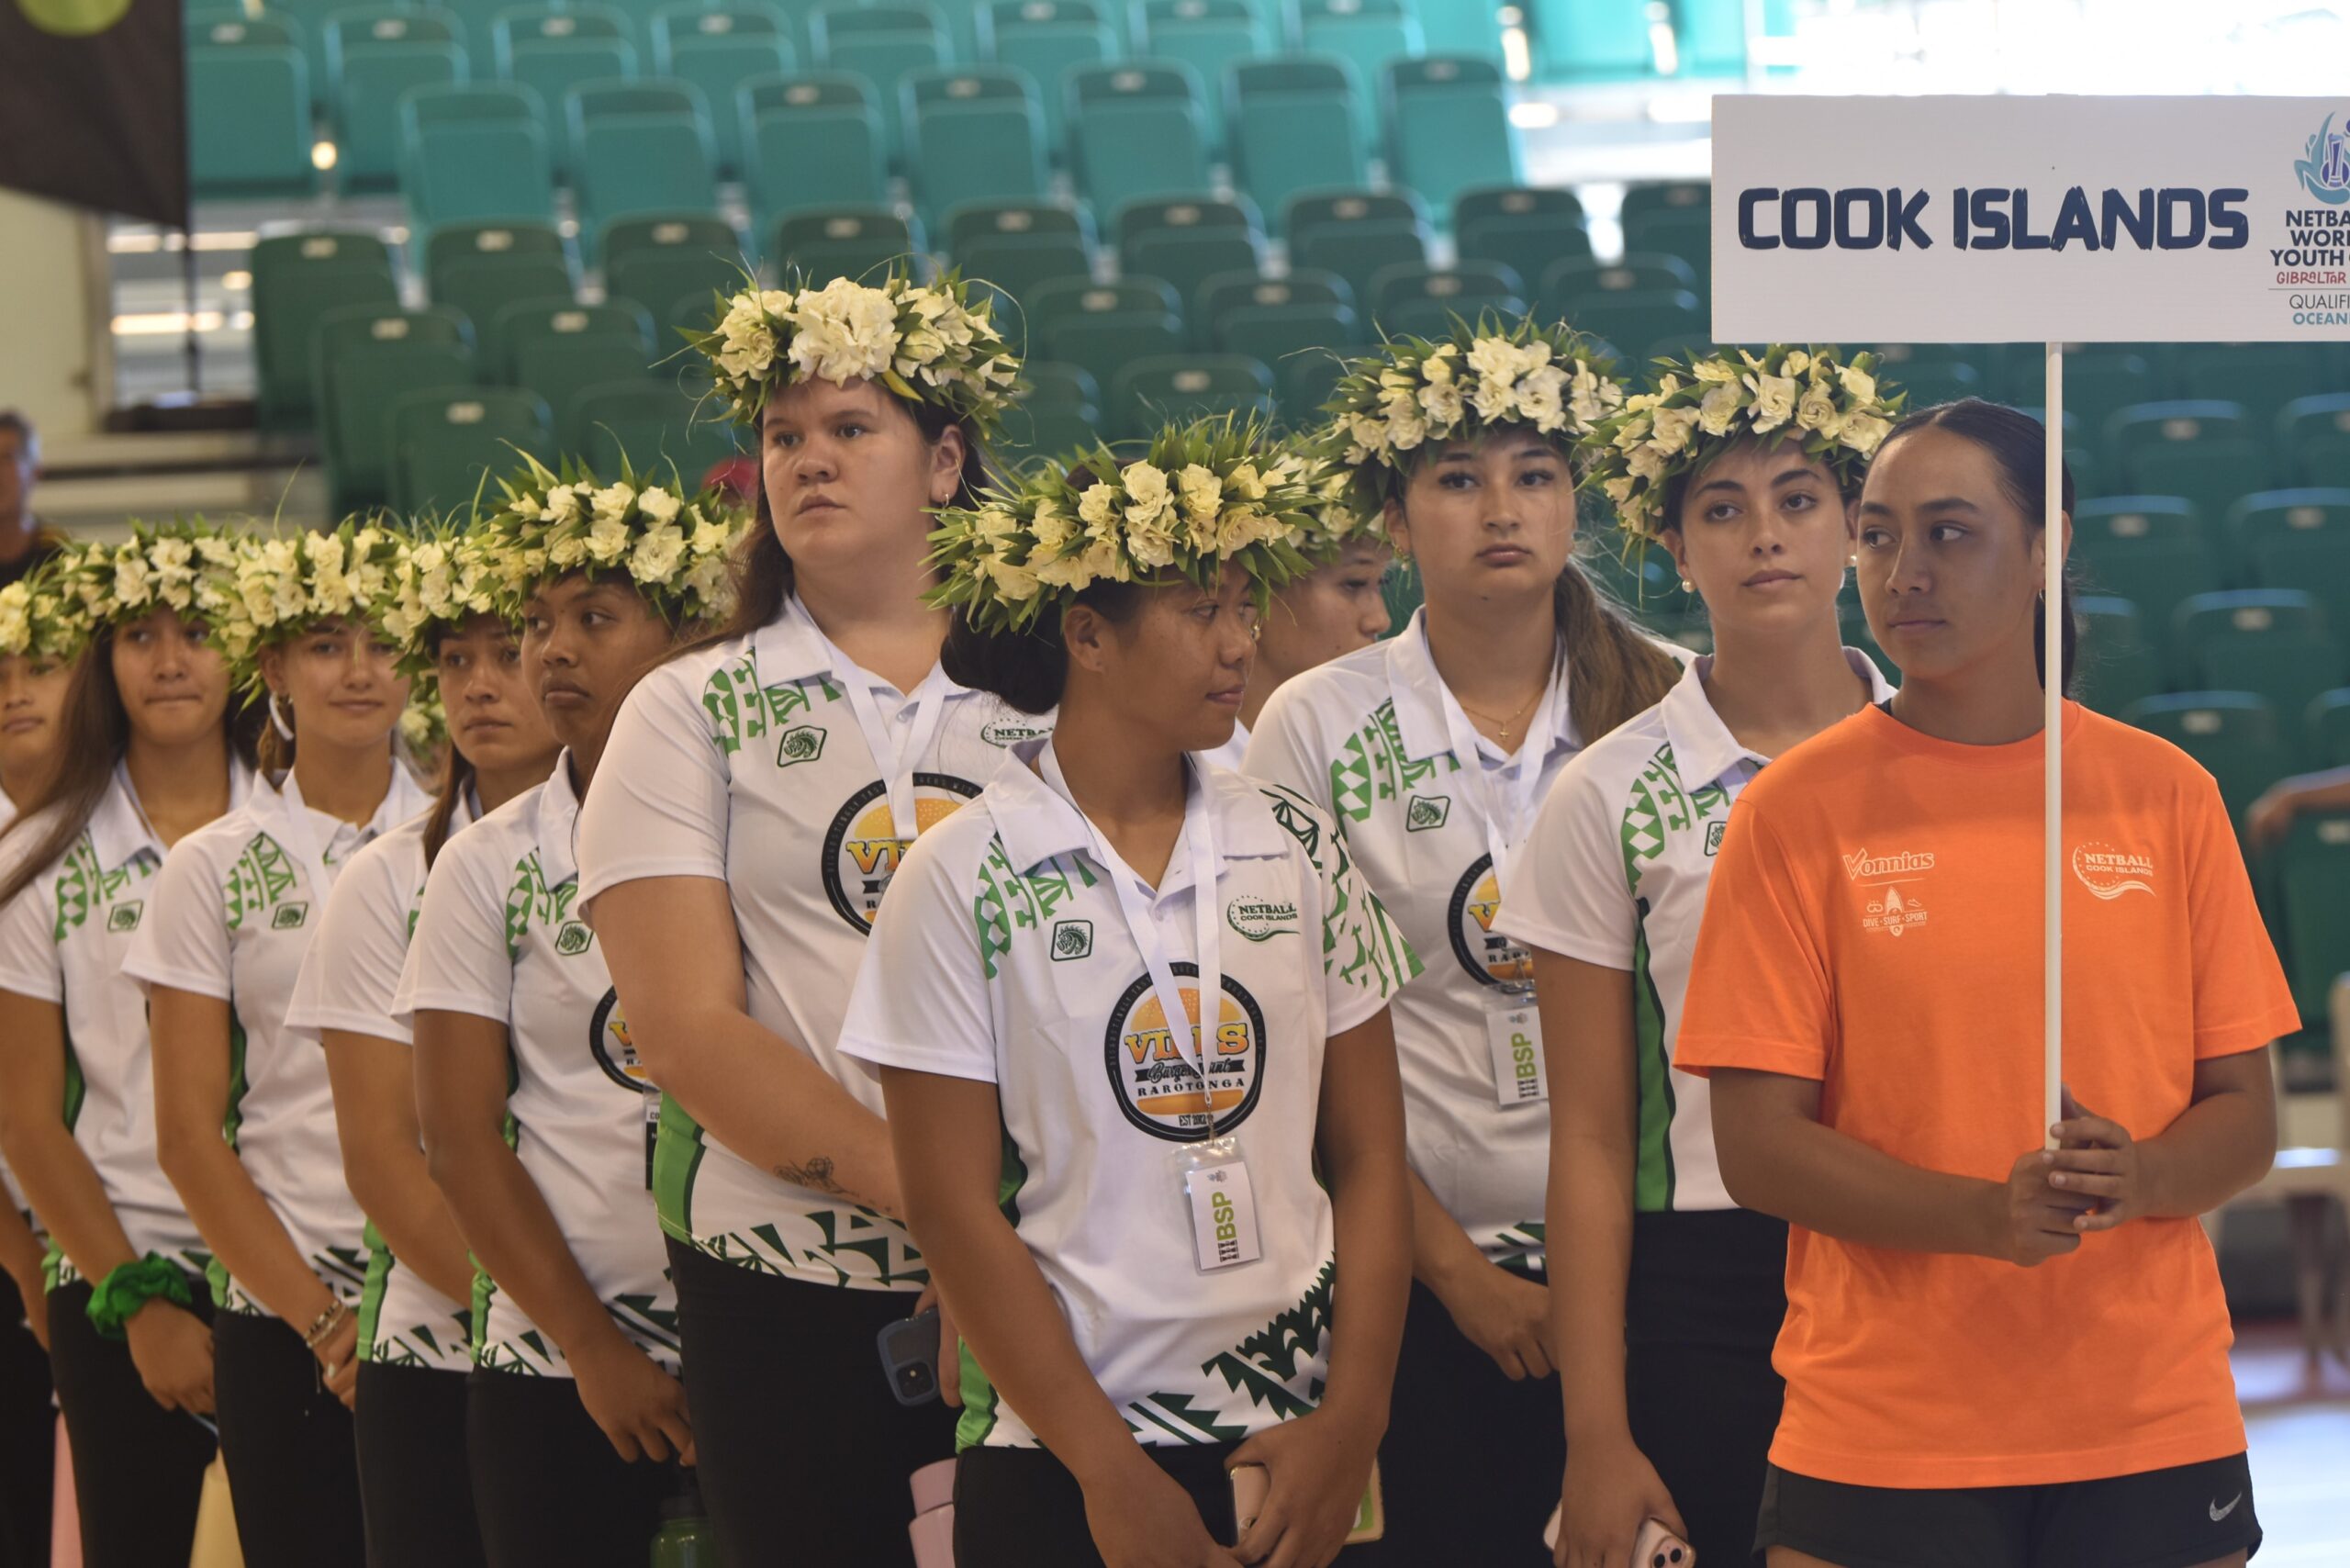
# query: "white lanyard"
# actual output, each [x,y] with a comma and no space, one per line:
[1134,903]
[897,767]
[302,835]
[1507,814]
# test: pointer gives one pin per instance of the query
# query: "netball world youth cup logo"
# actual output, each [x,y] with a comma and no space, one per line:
[2326,170]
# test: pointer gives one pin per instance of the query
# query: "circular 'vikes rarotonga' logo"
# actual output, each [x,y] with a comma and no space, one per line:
[1156,1077]
[1490,958]
[862,847]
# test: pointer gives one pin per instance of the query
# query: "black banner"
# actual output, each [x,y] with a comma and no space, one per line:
[94,104]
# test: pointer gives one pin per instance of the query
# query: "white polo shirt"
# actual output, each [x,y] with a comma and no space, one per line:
[65,940]
[1365,738]
[1616,874]
[500,938]
[16,1195]
[235,907]
[1232,753]
[1003,955]
[746,762]
[347,982]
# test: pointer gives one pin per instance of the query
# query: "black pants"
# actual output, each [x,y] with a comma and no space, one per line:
[1471,1462]
[804,1451]
[1702,1310]
[417,1490]
[137,1468]
[293,1471]
[549,1487]
[1021,1508]
[28,1436]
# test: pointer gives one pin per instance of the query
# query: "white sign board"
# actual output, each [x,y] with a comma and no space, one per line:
[2031,219]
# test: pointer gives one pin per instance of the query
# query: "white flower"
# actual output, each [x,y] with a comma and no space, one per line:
[1203,493]
[1863,432]
[569,550]
[845,332]
[1538,398]
[1150,544]
[1051,528]
[1646,462]
[1097,507]
[1441,402]
[1797,363]
[606,541]
[656,555]
[657,505]
[1147,495]
[1774,400]
[1815,411]
[1017,584]
[1717,412]
[1620,490]
[711,537]
[710,587]
[131,585]
[1672,428]
[1714,370]
[562,505]
[612,502]
[1859,385]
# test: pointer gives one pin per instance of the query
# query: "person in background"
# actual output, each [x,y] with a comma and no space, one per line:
[2270,818]
[1431,751]
[25,540]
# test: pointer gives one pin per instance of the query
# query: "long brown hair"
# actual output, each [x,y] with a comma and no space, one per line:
[94,732]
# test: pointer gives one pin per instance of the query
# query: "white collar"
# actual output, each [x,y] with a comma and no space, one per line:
[1415,685]
[556,822]
[1703,747]
[793,647]
[118,826]
[402,800]
[1037,825]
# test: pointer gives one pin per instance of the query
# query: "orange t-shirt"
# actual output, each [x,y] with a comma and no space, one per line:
[1874,922]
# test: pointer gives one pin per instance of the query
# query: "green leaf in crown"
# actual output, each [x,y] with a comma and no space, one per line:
[675,549]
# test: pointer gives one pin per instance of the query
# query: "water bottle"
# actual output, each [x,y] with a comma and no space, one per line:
[685,1539]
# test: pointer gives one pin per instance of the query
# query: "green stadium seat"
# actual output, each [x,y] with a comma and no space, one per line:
[718,49]
[1187,258]
[558,354]
[2329,729]
[1647,204]
[1227,292]
[1479,204]
[2319,564]
[848,242]
[815,143]
[1711,34]
[1686,236]
[465,241]
[2116,666]
[1463,27]
[2316,903]
[345,32]
[975,134]
[1358,253]
[552,53]
[1579,41]
[483,287]
[449,444]
[2098,383]
[2234,734]
[1016,219]
[2270,641]
[373,79]
[673,264]
[1448,127]
[2269,516]
[1050,381]
[1048,38]
[1102,327]
[1370,35]
[2313,434]
[366,358]
[298,279]
[1641,324]
[2264,377]
[1524,230]
[883,44]
[249,121]
[1153,391]
[1303,338]
[522,26]
[1416,300]
[232,29]
[2209,453]
[637,148]
[1939,372]
[1296,127]
[651,422]
[476,151]
[2150,550]
[1310,212]
[1577,277]
[1059,409]
[1211,37]
[1137,131]
[1014,267]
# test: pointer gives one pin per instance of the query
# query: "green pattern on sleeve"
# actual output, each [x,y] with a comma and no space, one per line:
[1371,765]
[741,709]
[1007,901]
[529,899]
[260,876]
[1359,943]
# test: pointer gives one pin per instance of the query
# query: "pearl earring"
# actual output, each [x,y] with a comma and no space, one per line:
[1688,587]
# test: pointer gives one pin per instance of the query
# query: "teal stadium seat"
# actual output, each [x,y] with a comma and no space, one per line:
[463,241]
[1711,34]
[2299,539]
[1187,240]
[483,287]
[2116,666]
[1573,277]
[2263,377]
[2329,729]
[1137,131]
[367,358]
[973,221]
[851,243]
[372,56]
[883,44]
[674,264]
[1448,127]
[1525,229]
[1014,266]
[1296,126]
[1355,233]
[449,444]
[2234,734]
[1298,325]
[2210,452]
[1151,392]
[652,424]
[974,134]
[2270,641]
[1416,300]
[477,152]
[718,49]
[1371,35]
[2150,550]
[1048,38]
[1579,41]
[1463,27]
[559,354]
[1211,37]
[1102,326]
[1939,372]
[551,51]
[298,279]
[232,29]
[815,143]
[2313,435]
[1058,412]
[2315,894]
[249,121]
[639,147]
[1641,324]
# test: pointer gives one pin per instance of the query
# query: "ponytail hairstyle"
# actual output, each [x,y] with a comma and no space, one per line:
[1028,668]
[2017,445]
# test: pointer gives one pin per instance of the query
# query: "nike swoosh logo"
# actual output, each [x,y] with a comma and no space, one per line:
[2217,1513]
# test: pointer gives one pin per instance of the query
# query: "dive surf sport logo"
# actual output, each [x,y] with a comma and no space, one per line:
[2108,873]
[1156,1077]
[1888,909]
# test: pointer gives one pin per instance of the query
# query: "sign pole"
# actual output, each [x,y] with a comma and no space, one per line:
[2052,729]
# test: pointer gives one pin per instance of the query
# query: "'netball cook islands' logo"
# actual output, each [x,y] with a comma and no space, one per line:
[2325,172]
[1490,958]
[1156,1077]
[862,847]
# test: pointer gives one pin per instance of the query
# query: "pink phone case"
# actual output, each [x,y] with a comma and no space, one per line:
[1654,1546]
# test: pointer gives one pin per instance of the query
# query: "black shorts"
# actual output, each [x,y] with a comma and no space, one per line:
[2160,1519]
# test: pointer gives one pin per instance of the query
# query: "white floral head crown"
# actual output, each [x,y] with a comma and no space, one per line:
[1697,405]
[1206,493]
[447,576]
[283,584]
[39,618]
[1336,517]
[927,344]
[1419,392]
[187,568]
[675,550]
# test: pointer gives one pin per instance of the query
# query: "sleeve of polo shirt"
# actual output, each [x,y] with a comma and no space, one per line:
[1759,992]
[921,997]
[459,960]
[1365,960]
[1282,749]
[29,962]
[1568,890]
[352,971]
[2242,999]
[183,943]
[660,808]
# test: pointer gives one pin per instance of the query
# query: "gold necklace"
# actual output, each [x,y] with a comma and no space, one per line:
[1503,723]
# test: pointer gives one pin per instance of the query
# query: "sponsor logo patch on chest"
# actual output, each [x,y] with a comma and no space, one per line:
[2109,873]
[1260,919]
[1891,904]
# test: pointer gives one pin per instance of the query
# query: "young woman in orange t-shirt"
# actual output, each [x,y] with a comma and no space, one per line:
[1997,1355]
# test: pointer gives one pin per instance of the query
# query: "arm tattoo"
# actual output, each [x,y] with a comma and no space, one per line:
[816,1175]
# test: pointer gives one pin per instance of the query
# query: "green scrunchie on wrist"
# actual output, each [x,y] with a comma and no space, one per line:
[132,1285]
